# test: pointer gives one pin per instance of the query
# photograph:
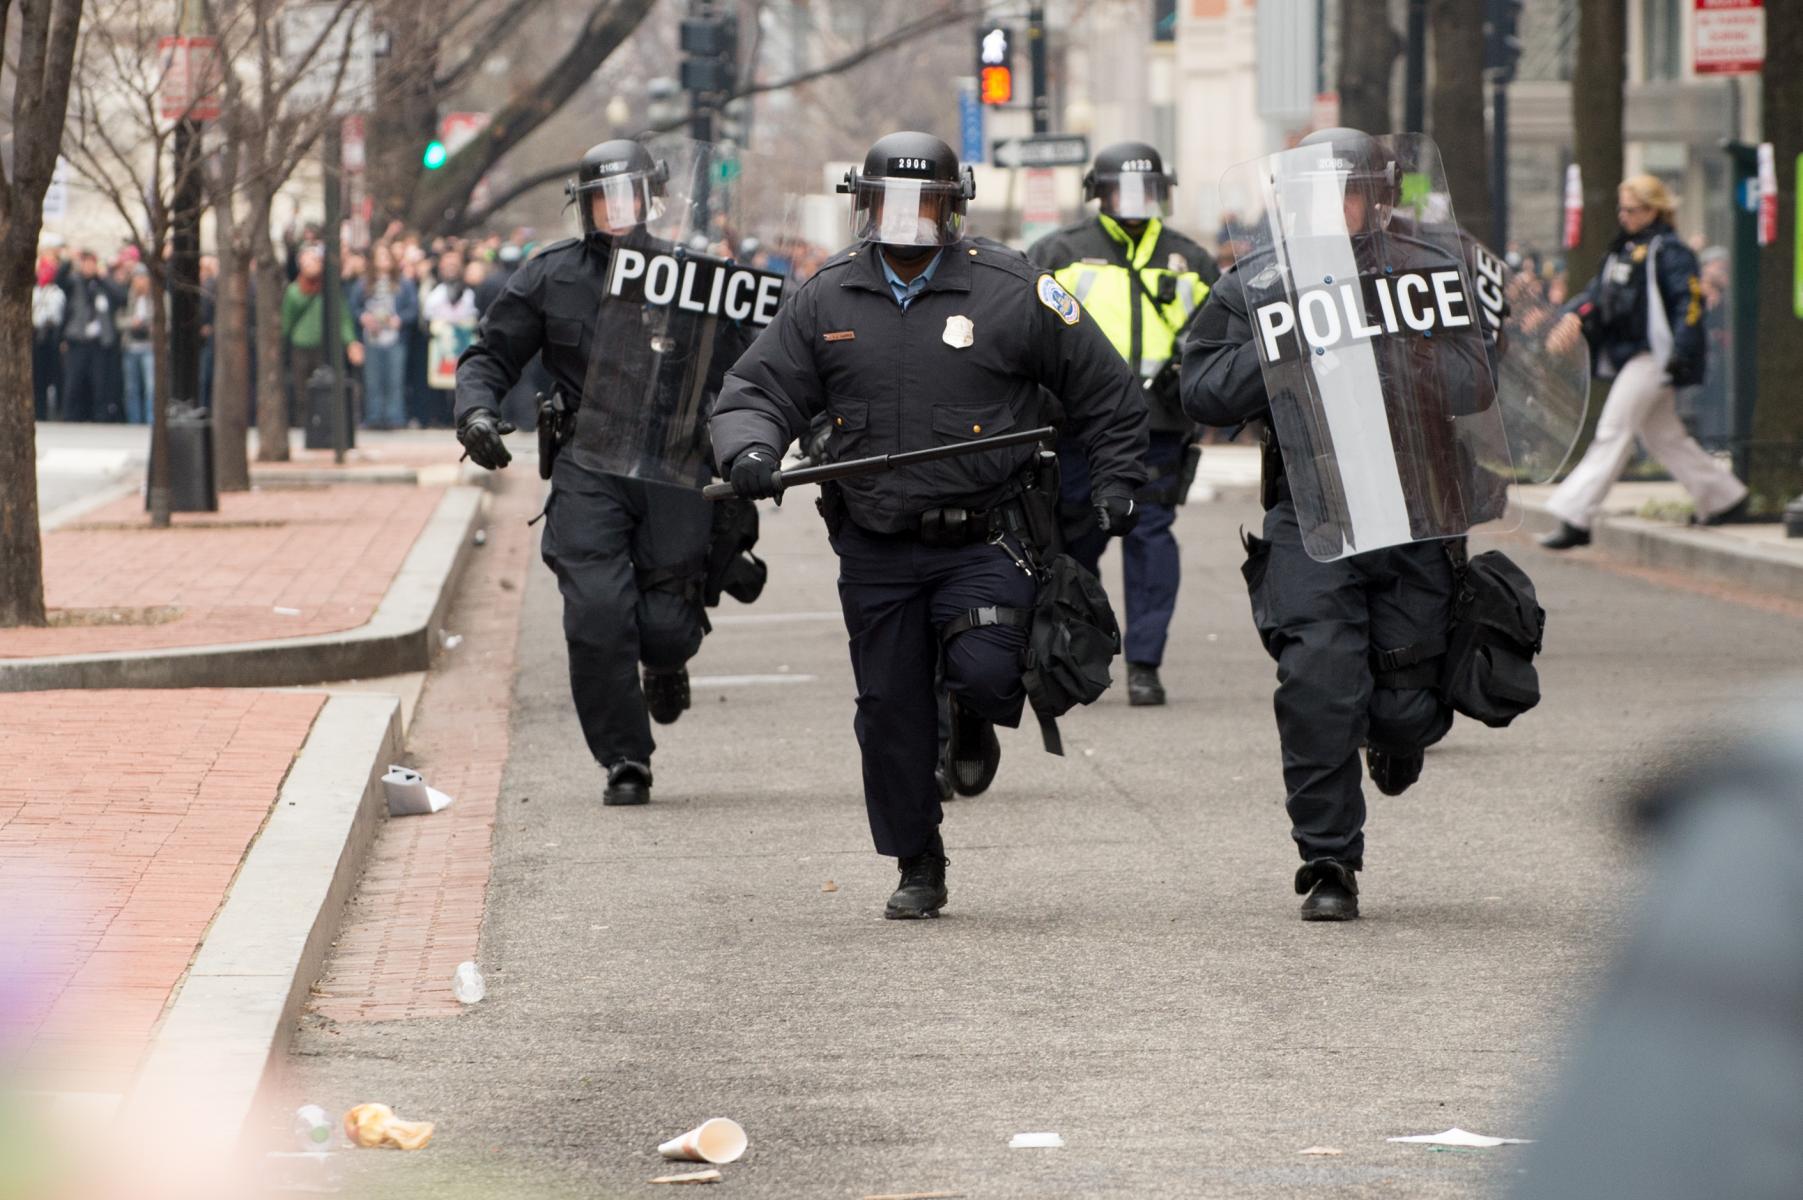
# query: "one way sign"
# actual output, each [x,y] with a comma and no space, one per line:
[1041,150]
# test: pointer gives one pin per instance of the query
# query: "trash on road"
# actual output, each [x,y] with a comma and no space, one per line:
[312,1127]
[716,1140]
[1035,1141]
[1322,1151]
[708,1176]
[449,641]
[408,795]
[829,886]
[375,1125]
[480,537]
[467,984]
[280,611]
[1459,1137]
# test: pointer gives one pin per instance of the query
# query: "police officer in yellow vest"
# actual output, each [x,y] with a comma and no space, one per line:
[1141,281]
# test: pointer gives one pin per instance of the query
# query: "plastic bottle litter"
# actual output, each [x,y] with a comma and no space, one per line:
[312,1127]
[467,984]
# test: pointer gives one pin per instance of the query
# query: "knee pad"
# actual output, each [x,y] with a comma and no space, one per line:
[670,629]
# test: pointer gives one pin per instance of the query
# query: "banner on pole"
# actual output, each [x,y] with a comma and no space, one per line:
[1574,207]
[1768,195]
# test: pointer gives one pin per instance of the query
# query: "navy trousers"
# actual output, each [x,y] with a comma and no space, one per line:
[1151,566]
[629,558]
[1321,621]
[897,595]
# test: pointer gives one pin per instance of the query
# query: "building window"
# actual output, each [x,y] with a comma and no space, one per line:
[1662,29]
[1164,20]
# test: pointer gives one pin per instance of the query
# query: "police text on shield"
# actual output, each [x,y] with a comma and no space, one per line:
[695,283]
[1337,314]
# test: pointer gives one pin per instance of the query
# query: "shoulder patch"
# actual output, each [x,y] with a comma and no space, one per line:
[1054,297]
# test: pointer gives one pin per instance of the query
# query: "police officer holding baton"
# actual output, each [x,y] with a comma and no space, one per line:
[918,336]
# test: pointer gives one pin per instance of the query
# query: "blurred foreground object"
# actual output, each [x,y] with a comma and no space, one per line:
[1687,1080]
[374,1125]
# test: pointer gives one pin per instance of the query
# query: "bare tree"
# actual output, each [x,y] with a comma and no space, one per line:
[119,142]
[1776,463]
[46,32]
[1458,110]
[1369,46]
[1597,85]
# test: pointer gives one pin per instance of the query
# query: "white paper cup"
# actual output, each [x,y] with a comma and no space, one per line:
[716,1140]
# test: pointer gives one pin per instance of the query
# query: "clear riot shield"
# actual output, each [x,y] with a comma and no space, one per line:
[682,301]
[1543,393]
[1363,312]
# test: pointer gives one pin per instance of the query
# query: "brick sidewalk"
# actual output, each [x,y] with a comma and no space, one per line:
[326,554]
[124,816]
[417,912]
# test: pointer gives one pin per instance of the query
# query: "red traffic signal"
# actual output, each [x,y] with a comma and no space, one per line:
[997,85]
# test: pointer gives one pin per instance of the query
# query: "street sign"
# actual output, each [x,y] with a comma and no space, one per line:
[190,78]
[1729,37]
[1039,208]
[970,123]
[342,55]
[56,196]
[1042,150]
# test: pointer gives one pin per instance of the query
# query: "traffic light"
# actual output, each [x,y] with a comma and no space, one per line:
[434,156]
[995,65]
[1502,41]
[711,41]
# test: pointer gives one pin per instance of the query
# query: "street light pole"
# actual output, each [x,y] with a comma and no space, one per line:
[332,297]
[1036,47]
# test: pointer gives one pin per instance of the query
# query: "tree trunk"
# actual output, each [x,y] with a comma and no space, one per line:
[161,468]
[41,57]
[232,384]
[1776,474]
[405,116]
[1369,46]
[21,550]
[1597,85]
[272,398]
[1458,111]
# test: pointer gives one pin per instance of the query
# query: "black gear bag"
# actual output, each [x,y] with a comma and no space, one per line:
[731,566]
[1071,641]
[1498,627]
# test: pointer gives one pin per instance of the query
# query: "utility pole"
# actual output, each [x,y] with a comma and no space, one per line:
[1414,99]
[1036,47]
[184,257]
[1743,300]
[332,290]
[1502,51]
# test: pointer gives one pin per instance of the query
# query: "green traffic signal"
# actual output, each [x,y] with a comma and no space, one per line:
[435,155]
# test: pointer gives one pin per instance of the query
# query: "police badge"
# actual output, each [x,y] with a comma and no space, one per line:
[959,332]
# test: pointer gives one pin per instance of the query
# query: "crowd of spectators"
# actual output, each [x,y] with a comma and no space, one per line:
[410,306]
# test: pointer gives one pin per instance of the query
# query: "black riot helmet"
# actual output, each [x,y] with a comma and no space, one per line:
[911,192]
[1357,165]
[623,172]
[1130,180]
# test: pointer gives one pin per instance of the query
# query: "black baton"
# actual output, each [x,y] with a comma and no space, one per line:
[888,462]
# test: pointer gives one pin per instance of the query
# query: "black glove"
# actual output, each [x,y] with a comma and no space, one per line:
[754,475]
[1685,372]
[480,430]
[1116,515]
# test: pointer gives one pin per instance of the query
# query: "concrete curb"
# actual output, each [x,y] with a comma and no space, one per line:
[1700,553]
[397,639]
[237,1006]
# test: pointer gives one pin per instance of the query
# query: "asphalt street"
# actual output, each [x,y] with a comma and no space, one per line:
[1121,962]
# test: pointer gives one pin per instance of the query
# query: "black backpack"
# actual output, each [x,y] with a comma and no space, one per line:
[731,566]
[1071,640]
[1498,627]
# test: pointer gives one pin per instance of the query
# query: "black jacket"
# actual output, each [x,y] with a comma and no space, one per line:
[891,380]
[1614,305]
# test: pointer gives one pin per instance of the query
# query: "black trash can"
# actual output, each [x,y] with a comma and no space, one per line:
[190,432]
[319,411]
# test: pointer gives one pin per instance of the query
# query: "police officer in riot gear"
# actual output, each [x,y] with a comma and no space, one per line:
[916,336]
[1358,640]
[1141,280]
[629,556]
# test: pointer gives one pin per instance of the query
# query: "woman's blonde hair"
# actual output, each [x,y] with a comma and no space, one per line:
[1651,191]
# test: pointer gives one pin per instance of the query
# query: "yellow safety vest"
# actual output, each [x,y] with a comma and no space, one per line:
[1108,292]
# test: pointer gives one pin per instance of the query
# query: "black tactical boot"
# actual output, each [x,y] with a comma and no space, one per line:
[922,892]
[627,783]
[1565,537]
[666,694]
[975,752]
[1332,890]
[1393,771]
[1143,688]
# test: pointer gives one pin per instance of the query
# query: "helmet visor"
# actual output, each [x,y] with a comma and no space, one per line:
[625,201]
[1136,196]
[907,212]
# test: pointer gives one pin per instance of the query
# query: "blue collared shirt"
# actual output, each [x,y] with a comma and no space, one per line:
[906,292]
